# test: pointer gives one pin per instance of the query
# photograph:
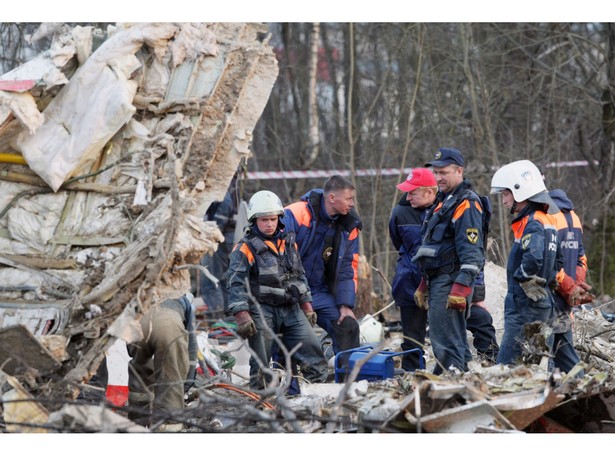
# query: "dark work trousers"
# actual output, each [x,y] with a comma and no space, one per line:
[414,330]
[480,324]
[215,297]
[447,327]
[563,349]
[290,324]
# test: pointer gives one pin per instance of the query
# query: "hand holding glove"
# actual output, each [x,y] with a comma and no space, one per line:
[534,288]
[421,296]
[310,314]
[457,299]
[245,324]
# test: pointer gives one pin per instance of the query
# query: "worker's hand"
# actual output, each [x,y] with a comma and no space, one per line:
[245,325]
[581,274]
[458,297]
[421,296]
[579,295]
[534,288]
[575,293]
[581,298]
[345,311]
[310,314]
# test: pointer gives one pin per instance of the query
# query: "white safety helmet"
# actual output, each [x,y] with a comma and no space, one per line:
[525,182]
[370,330]
[522,178]
[264,203]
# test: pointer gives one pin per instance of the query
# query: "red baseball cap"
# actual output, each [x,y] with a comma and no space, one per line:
[418,178]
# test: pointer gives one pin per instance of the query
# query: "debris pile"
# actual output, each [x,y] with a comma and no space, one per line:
[114,143]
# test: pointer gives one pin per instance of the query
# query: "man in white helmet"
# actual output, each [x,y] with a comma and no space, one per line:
[269,296]
[535,257]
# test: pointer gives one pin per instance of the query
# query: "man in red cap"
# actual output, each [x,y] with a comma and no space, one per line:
[420,189]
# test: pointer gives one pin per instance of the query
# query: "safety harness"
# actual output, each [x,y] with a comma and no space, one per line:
[277,269]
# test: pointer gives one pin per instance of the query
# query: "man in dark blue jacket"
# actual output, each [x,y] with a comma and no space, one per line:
[572,290]
[327,234]
[215,294]
[451,255]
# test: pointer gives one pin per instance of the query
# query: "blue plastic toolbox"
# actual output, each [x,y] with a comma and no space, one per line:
[379,366]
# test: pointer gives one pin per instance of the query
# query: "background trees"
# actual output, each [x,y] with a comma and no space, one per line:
[389,94]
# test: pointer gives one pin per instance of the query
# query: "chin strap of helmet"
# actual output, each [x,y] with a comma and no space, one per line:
[513,208]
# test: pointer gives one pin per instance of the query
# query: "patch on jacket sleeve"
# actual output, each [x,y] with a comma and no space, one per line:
[472,234]
[525,241]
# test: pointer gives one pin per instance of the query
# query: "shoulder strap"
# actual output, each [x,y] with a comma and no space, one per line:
[315,199]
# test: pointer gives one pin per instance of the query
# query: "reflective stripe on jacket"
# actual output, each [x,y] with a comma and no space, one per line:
[453,236]
[329,248]
[535,250]
[273,269]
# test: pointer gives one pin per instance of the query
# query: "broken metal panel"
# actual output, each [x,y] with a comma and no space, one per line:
[21,352]
[40,318]
[88,419]
[21,413]
[521,418]
[466,419]
[195,79]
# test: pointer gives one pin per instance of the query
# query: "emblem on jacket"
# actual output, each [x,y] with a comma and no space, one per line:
[326,255]
[472,234]
[525,241]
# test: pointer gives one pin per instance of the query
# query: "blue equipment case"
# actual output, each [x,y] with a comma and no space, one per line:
[377,368]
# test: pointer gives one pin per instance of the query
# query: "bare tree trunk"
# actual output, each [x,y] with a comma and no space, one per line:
[314,130]
[350,114]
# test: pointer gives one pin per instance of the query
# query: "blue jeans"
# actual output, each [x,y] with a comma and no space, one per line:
[518,311]
[414,329]
[290,324]
[563,350]
[447,327]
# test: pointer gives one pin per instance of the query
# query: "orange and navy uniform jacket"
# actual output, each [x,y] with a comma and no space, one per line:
[570,238]
[535,251]
[271,266]
[452,236]
[329,247]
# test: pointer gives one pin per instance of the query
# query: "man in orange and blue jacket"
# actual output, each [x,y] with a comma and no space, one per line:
[327,234]
[572,289]
[534,260]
